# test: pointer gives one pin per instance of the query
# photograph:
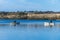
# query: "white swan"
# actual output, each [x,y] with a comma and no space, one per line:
[12,23]
[48,24]
[51,24]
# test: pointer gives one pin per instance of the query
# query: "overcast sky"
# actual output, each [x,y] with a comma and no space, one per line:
[21,5]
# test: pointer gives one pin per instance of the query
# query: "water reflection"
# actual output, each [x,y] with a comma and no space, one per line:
[32,31]
[32,25]
[38,25]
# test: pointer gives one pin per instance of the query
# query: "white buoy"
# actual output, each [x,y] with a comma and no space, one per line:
[46,24]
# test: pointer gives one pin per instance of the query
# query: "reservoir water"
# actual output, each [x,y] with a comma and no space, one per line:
[29,30]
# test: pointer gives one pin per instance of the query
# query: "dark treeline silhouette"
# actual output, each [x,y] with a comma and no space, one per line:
[24,12]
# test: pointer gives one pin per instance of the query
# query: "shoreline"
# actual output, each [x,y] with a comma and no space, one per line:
[30,15]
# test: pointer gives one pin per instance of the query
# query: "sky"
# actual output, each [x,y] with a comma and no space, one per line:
[29,5]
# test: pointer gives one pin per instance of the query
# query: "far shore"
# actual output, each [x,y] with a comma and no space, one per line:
[30,15]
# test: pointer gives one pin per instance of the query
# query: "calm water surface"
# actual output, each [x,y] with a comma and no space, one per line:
[29,30]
